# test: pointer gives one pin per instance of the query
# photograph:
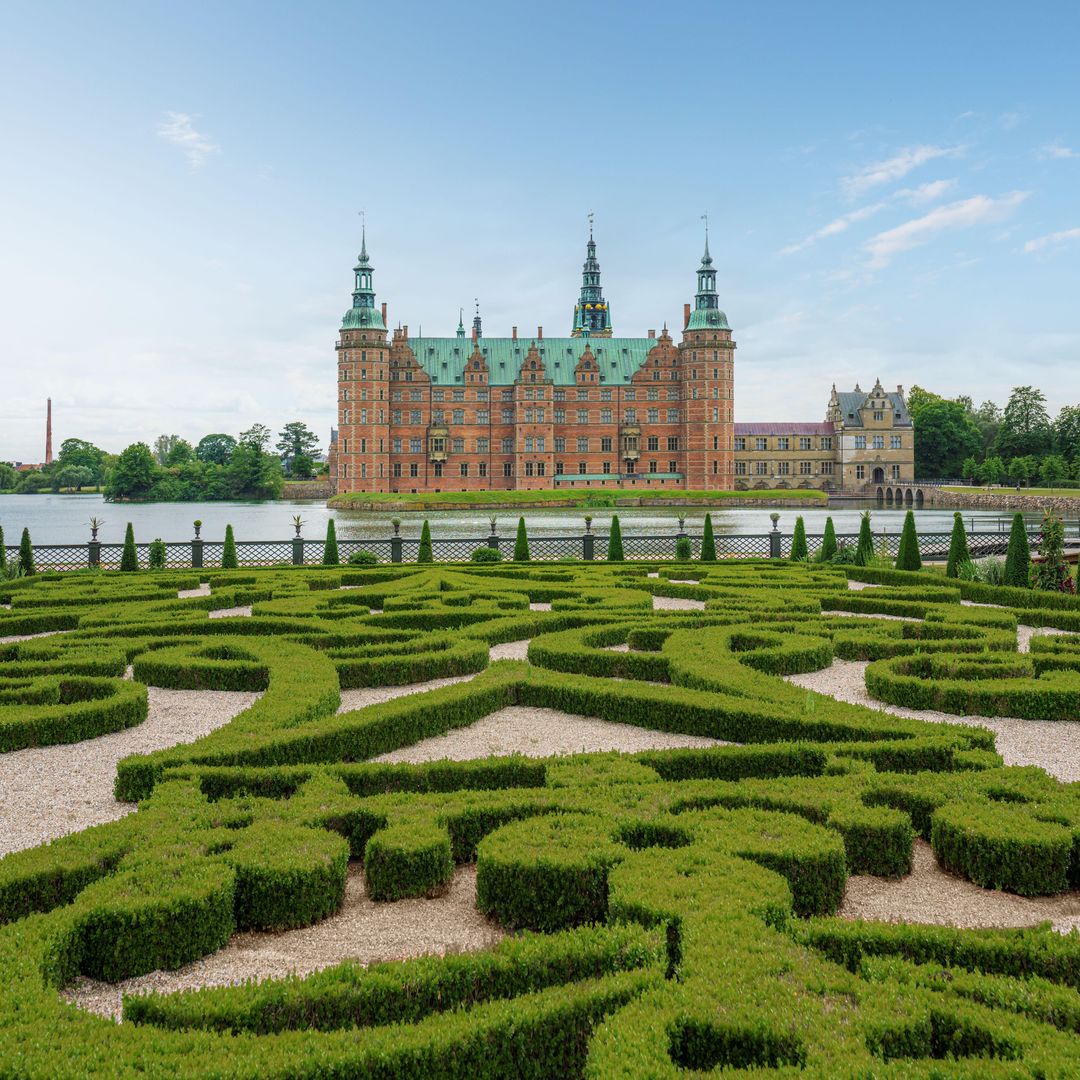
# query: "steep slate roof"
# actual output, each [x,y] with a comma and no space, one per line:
[784,429]
[852,401]
[444,358]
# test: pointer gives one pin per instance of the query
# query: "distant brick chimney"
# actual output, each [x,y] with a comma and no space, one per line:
[384,313]
[652,333]
[405,332]
[685,316]
[539,333]
[513,333]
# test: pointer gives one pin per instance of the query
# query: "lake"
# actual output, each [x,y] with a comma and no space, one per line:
[62,519]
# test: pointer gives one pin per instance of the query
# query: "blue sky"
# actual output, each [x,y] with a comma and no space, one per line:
[892,191]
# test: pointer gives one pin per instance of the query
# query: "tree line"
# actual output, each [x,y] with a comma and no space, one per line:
[219,466]
[1019,444]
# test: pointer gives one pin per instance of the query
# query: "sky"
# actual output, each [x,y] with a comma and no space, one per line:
[892,191]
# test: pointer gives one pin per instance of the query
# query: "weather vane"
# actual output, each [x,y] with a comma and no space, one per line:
[591,216]
[705,218]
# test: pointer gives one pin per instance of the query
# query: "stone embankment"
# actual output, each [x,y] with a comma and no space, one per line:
[1002,499]
[306,489]
[409,505]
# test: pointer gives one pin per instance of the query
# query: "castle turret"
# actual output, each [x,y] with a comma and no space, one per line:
[706,311]
[363,312]
[592,316]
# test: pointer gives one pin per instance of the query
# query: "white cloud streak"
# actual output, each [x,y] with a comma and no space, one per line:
[926,193]
[176,128]
[894,168]
[1058,151]
[1050,239]
[978,210]
[837,225]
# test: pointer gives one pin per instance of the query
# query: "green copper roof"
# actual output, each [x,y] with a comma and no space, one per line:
[361,318]
[618,358]
[704,318]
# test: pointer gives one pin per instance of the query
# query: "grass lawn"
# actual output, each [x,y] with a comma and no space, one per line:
[1066,493]
[622,497]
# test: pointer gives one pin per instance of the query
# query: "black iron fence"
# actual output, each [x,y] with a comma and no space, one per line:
[298,551]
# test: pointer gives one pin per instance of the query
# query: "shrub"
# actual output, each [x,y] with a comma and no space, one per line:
[684,550]
[864,553]
[828,543]
[990,570]
[424,554]
[908,557]
[799,550]
[614,547]
[521,543]
[1018,556]
[1051,573]
[708,542]
[157,554]
[228,552]
[486,555]
[958,547]
[330,551]
[363,558]
[129,560]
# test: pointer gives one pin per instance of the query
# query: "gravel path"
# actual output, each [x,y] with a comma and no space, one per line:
[49,791]
[510,650]
[676,603]
[202,590]
[537,732]
[857,585]
[1051,744]
[29,637]
[540,606]
[375,695]
[930,895]
[1024,634]
[362,930]
[231,612]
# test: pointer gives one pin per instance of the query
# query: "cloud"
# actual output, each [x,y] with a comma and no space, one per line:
[977,210]
[1057,150]
[177,129]
[894,168]
[838,225]
[1062,237]
[1012,119]
[926,193]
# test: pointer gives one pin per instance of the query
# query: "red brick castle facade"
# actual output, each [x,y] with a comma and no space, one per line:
[472,413]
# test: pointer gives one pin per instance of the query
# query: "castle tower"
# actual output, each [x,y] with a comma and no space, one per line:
[707,362]
[592,316]
[48,432]
[363,361]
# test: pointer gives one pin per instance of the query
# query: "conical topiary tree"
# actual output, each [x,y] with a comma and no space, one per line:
[1018,556]
[864,553]
[828,542]
[329,551]
[799,550]
[958,547]
[908,557]
[614,544]
[708,542]
[228,552]
[26,554]
[425,553]
[129,559]
[521,543]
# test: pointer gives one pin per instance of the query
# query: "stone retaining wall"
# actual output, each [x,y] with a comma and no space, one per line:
[998,499]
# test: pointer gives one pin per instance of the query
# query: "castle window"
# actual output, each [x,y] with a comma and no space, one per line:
[458,446]
[673,442]
[761,468]
[397,468]
[482,468]
[740,443]
[415,446]
[528,468]
[605,444]
[607,465]
[653,443]
[806,468]
[605,416]
[652,466]
[782,443]
[761,444]
[740,468]
[896,472]
[560,445]
[464,468]
[860,442]
[826,442]
[414,470]
[878,442]
[508,468]
[583,444]
[804,442]
[783,468]
[438,469]
[653,416]
[894,442]
[879,416]
[673,416]
[508,447]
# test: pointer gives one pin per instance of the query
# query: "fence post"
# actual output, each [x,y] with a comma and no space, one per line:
[587,542]
[493,540]
[395,549]
[93,554]
[196,553]
[774,537]
[298,551]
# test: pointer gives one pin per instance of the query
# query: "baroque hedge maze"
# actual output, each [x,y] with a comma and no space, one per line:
[671,911]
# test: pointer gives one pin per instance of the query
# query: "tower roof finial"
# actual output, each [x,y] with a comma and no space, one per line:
[363,236]
[706,259]
[591,216]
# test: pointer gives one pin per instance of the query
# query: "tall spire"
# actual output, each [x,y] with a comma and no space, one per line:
[460,322]
[592,316]
[363,313]
[707,311]
[477,329]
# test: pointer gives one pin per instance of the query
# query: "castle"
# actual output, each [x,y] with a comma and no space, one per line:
[474,413]
[471,413]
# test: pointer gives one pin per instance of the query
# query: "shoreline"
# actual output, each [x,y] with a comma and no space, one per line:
[718,500]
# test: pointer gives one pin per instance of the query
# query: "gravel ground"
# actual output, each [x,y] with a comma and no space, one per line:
[539,606]
[871,615]
[231,612]
[1051,744]
[362,930]
[28,637]
[537,732]
[374,695]
[1024,634]
[857,585]
[510,650]
[49,791]
[202,590]
[930,895]
[676,603]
